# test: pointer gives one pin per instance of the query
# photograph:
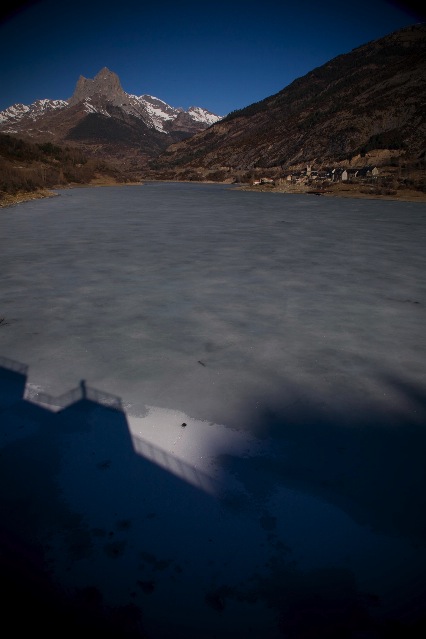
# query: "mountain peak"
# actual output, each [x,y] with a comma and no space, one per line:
[105,84]
[104,71]
[122,128]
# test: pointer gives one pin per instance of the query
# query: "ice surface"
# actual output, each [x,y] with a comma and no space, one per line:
[269,351]
[132,287]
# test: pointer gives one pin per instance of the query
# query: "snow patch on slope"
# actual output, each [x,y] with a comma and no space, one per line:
[156,113]
[15,112]
[202,115]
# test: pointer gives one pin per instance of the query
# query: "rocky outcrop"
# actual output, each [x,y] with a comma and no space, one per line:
[104,121]
[105,84]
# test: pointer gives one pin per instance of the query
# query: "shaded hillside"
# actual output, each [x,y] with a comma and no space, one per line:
[371,99]
[29,167]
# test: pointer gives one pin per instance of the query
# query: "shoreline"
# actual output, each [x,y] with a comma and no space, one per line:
[21,197]
[343,191]
[405,195]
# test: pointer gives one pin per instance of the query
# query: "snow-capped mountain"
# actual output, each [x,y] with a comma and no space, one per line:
[106,121]
[14,113]
[98,95]
[162,114]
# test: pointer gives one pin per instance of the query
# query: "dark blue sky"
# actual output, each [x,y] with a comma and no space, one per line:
[218,55]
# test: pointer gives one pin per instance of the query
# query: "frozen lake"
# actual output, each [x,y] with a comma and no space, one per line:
[288,333]
[131,288]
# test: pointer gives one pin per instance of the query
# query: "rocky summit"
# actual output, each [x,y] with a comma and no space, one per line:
[104,121]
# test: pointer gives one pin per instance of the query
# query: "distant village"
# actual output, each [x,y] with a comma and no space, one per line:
[309,176]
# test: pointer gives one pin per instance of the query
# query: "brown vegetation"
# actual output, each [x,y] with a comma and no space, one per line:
[30,170]
[363,104]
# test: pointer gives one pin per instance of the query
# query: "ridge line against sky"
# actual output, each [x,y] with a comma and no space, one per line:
[219,56]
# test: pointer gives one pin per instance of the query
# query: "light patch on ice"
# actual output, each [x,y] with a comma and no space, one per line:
[187,447]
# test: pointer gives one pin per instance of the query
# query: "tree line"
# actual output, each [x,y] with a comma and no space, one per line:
[27,166]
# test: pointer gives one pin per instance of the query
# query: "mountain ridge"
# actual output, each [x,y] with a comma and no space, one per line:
[361,108]
[104,121]
[370,99]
